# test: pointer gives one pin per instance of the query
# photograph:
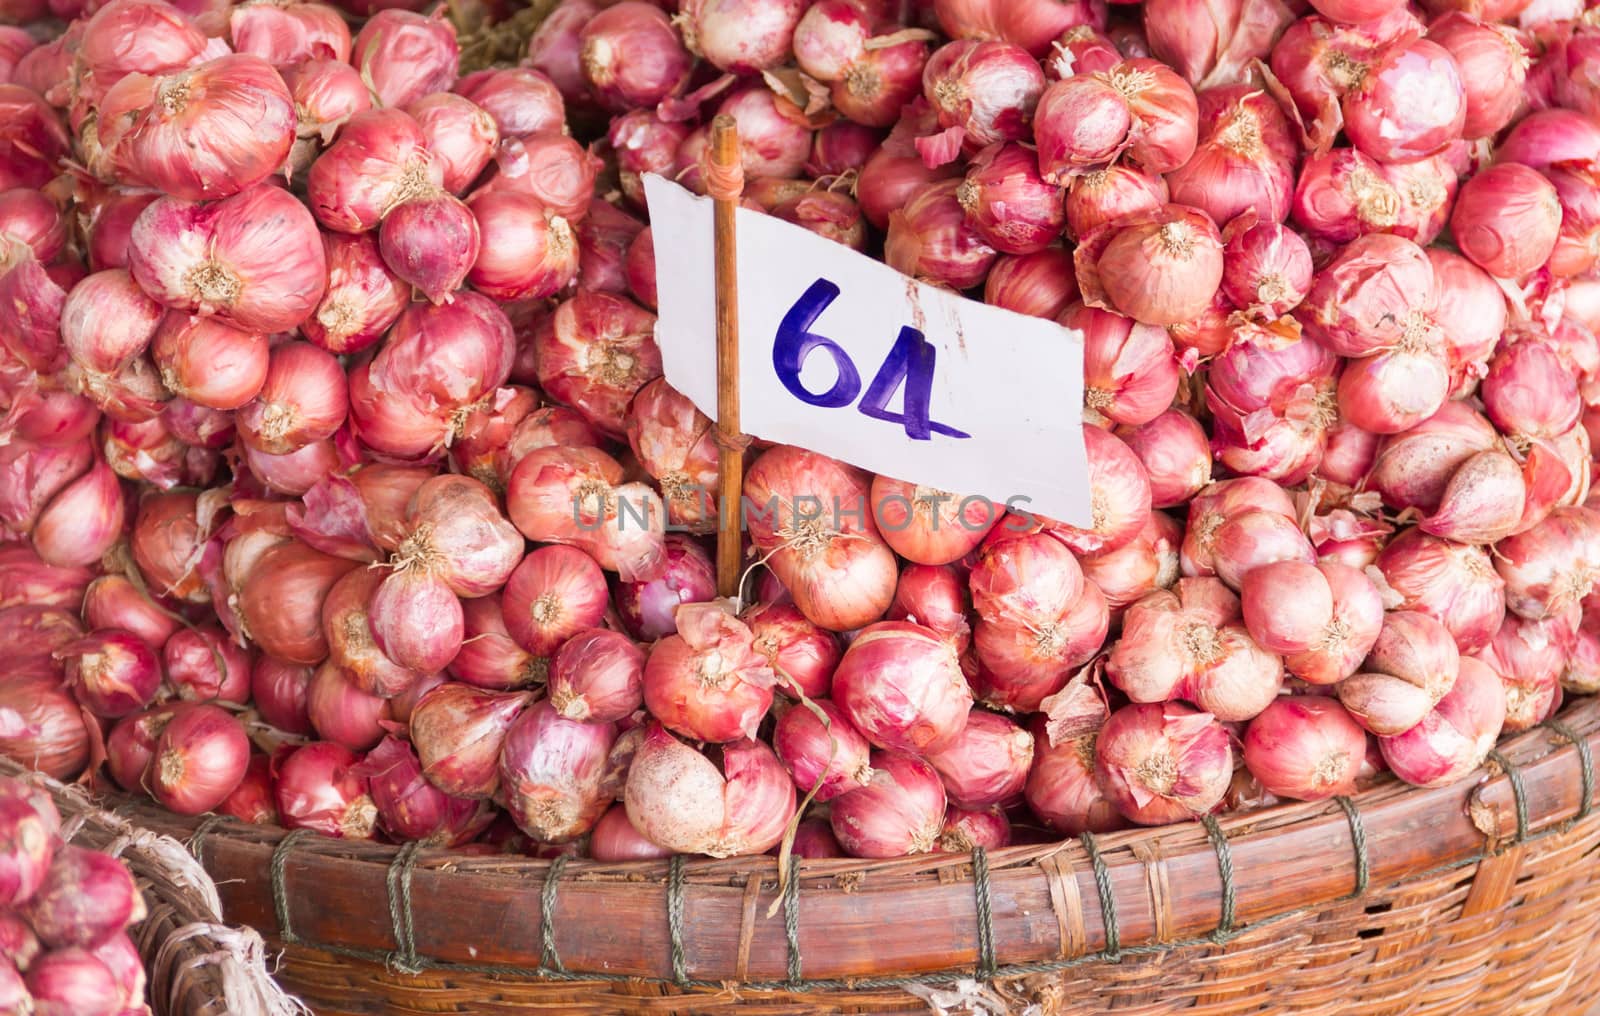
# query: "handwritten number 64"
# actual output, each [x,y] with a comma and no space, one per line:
[910,362]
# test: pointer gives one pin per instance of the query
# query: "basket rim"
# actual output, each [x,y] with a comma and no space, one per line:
[1008,912]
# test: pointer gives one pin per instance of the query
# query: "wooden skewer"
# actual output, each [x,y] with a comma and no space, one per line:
[725,183]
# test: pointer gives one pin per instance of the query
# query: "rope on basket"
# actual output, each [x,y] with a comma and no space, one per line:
[548,957]
[1225,930]
[980,887]
[197,842]
[791,918]
[1519,794]
[1108,899]
[1358,840]
[1585,768]
[680,973]
[280,896]
[404,958]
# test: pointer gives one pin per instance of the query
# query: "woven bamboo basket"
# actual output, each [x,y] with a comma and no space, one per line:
[196,964]
[1480,897]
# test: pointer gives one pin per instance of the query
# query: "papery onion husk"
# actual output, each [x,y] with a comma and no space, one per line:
[901,685]
[406,55]
[554,775]
[801,653]
[280,602]
[1373,294]
[86,898]
[50,735]
[199,759]
[1413,665]
[1062,789]
[1380,117]
[202,133]
[1455,736]
[1163,762]
[674,442]
[255,259]
[834,562]
[1306,748]
[648,609]
[320,788]
[1162,268]
[930,526]
[707,681]
[458,731]
[1176,455]
[987,764]
[1245,159]
[683,801]
[822,750]
[899,812]
[552,595]
[597,676]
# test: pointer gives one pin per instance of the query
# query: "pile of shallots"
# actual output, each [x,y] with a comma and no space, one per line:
[341,487]
[64,915]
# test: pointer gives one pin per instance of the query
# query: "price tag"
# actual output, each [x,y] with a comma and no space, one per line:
[842,354]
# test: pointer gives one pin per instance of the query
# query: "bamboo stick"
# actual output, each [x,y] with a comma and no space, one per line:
[725,184]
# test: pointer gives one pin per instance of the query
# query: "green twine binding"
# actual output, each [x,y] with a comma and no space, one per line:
[280,895]
[548,957]
[1108,899]
[1519,794]
[980,884]
[404,958]
[1358,840]
[1225,929]
[1585,768]
[1113,953]
[791,919]
[680,973]
[197,842]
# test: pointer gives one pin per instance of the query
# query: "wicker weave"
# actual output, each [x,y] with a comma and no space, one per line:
[1475,898]
[196,965]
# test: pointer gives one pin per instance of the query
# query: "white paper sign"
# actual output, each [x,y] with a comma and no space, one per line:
[843,355]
